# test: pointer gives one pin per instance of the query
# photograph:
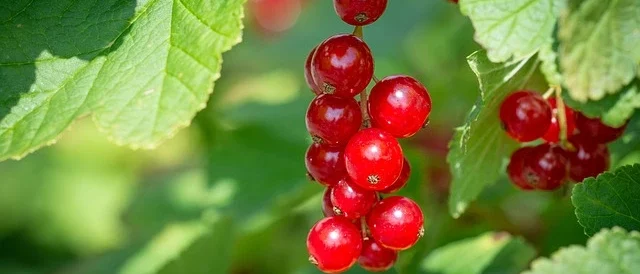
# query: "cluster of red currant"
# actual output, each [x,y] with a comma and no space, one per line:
[355,153]
[574,145]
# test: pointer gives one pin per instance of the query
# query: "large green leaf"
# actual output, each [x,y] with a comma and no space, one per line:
[479,148]
[143,69]
[492,252]
[599,51]
[609,251]
[512,29]
[609,200]
[614,109]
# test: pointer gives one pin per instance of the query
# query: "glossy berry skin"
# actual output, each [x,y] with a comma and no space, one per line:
[402,180]
[376,258]
[399,105]
[588,160]
[352,201]
[396,222]
[373,159]
[327,206]
[342,65]
[525,115]
[325,163]
[359,12]
[334,244]
[553,133]
[307,73]
[333,120]
[598,131]
[516,170]
[546,167]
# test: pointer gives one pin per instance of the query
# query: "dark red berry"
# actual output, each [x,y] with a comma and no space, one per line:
[525,115]
[334,244]
[325,163]
[351,200]
[402,180]
[596,130]
[307,73]
[588,160]
[333,120]
[399,105]
[359,12]
[546,167]
[396,222]
[342,65]
[327,206]
[373,159]
[516,170]
[376,258]
[553,133]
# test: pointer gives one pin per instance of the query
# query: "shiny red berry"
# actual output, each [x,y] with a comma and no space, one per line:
[525,115]
[342,65]
[396,222]
[399,105]
[516,170]
[325,163]
[351,200]
[334,244]
[588,160]
[546,167]
[553,133]
[359,12]
[596,130]
[307,73]
[373,159]
[376,258]
[333,120]
[327,206]
[402,180]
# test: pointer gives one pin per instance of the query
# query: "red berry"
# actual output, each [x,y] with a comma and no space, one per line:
[359,12]
[373,159]
[352,201]
[376,258]
[342,65]
[307,73]
[327,206]
[553,133]
[325,163]
[396,222]
[274,16]
[516,170]
[402,180]
[546,167]
[333,120]
[399,105]
[334,244]
[598,131]
[525,115]
[588,160]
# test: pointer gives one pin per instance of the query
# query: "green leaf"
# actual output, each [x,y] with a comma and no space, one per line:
[142,69]
[479,148]
[512,29]
[599,51]
[613,109]
[492,252]
[609,200]
[609,251]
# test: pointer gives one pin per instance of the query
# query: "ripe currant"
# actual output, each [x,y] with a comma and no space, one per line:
[350,200]
[402,180]
[333,120]
[553,133]
[598,131]
[516,168]
[546,167]
[307,73]
[396,222]
[376,258]
[342,65]
[325,163]
[588,160]
[327,206]
[334,244]
[399,105]
[525,115]
[373,159]
[359,12]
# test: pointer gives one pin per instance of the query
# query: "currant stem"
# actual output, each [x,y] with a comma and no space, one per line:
[548,93]
[562,116]
[363,106]
[375,79]
[363,228]
[357,31]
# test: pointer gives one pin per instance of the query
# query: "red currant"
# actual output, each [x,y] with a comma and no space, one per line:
[352,201]
[373,159]
[516,170]
[598,131]
[333,120]
[334,244]
[402,180]
[546,167]
[342,65]
[399,105]
[359,12]
[525,115]
[588,160]
[396,222]
[325,163]
[327,206]
[376,258]
[307,74]
[553,133]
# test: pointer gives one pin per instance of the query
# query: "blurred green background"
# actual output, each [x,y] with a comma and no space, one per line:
[229,193]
